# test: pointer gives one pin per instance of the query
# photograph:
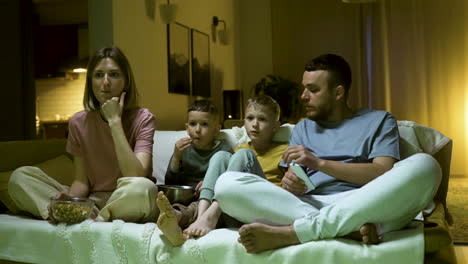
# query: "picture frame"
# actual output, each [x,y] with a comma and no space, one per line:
[200,62]
[178,50]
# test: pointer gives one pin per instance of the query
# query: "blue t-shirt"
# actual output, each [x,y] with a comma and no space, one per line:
[368,134]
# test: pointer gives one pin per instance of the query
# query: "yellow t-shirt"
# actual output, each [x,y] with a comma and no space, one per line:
[269,161]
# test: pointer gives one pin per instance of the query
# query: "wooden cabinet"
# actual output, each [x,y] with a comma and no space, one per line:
[54,129]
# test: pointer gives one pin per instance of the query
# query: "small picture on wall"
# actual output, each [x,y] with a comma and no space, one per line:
[178,44]
[201,81]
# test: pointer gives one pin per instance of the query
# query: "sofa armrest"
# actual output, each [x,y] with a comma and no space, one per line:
[28,152]
[443,157]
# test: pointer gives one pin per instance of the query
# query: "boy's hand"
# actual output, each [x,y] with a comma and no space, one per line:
[198,188]
[181,145]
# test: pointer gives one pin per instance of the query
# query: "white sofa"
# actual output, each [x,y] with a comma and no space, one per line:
[29,240]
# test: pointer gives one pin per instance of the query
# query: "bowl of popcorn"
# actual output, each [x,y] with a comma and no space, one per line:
[72,210]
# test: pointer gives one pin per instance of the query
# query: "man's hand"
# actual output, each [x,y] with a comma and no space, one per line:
[113,108]
[302,156]
[292,183]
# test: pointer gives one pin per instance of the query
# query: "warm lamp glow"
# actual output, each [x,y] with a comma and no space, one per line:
[79,70]
[229,116]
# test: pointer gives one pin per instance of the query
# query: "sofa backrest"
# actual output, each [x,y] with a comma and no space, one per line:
[414,138]
[164,142]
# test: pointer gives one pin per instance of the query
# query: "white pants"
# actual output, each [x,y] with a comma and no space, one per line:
[134,200]
[391,201]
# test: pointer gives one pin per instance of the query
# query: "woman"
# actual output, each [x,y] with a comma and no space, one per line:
[111,143]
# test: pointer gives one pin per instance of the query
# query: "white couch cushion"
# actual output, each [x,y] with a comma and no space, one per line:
[415,138]
[164,142]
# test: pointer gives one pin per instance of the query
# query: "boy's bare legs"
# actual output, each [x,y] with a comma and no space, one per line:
[257,237]
[203,205]
[168,221]
[206,220]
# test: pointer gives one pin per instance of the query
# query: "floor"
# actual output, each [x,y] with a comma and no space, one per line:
[461,251]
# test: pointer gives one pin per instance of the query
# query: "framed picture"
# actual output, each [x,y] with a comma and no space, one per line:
[201,81]
[178,45]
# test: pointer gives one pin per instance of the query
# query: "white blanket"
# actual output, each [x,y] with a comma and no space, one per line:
[119,242]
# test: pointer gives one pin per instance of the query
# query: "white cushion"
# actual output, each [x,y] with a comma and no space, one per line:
[163,148]
[164,142]
[415,138]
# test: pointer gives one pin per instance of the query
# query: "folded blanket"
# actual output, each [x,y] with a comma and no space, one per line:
[37,241]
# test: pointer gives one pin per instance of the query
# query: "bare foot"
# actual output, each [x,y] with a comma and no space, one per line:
[369,234]
[258,237]
[205,222]
[168,222]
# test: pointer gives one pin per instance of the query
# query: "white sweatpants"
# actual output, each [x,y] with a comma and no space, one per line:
[134,199]
[390,201]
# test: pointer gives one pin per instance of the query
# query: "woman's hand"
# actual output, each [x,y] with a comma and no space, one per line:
[113,108]
[59,196]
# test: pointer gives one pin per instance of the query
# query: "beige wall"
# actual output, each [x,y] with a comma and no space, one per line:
[304,29]
[254,43]
[143,39]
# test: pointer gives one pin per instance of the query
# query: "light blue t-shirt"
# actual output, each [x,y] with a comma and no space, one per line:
[368,134]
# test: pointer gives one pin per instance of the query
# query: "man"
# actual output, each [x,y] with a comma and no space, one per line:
[350,156]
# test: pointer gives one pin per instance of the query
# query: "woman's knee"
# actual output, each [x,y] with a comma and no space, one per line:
[20,175]
[137,186]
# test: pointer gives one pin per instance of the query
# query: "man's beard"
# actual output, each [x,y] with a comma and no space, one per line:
[320,114]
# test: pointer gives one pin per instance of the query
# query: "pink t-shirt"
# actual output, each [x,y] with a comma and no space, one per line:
[90,138]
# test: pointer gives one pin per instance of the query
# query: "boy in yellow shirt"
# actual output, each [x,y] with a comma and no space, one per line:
[260,156]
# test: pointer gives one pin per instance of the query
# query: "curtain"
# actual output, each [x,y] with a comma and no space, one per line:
[416,61]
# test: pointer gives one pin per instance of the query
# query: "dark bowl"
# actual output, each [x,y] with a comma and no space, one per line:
[178,193]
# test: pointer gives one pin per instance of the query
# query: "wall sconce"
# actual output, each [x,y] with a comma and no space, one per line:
[168,12]
[221,34]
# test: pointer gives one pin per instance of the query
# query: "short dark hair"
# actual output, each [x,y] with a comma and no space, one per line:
[339,69]
[90,101]
[203,106]
[265,101]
